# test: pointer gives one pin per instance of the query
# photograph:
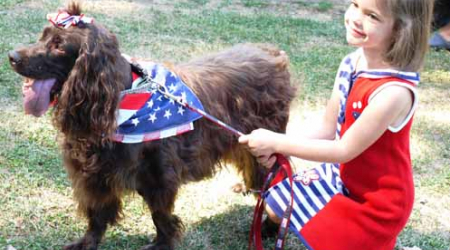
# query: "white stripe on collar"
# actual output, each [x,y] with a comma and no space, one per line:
[412,77]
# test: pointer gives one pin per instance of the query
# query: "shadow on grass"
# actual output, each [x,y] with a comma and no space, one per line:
[225,231]
[229,231]
[436,240]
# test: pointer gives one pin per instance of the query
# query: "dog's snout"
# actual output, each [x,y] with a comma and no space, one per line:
[14,57]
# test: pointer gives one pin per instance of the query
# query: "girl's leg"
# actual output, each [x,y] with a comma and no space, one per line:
[271,215]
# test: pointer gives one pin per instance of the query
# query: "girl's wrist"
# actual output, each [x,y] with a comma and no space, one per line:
[276,146]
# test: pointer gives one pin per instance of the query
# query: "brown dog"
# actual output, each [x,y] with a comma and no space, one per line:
[82,71]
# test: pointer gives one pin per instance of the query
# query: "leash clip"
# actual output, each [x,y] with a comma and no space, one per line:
[254,191]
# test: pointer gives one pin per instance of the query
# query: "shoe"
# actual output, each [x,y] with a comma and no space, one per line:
[269,229]
[438,42]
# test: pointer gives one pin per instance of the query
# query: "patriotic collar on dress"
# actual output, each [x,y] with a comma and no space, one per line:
[66,20]
[412,77]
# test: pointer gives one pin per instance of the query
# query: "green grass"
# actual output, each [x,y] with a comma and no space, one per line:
[9,3]
[36,207]
[254,3]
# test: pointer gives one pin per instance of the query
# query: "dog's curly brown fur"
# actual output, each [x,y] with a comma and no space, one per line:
[246,86]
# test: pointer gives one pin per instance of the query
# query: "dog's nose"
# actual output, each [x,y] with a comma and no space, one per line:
[14,57]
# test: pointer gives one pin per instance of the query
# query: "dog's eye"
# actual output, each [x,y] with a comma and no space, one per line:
[56,44]
[59,49]
[56,40]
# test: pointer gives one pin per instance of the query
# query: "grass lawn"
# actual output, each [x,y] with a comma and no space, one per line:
[36,208]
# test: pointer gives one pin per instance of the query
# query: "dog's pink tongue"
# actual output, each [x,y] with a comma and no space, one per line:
[36,96]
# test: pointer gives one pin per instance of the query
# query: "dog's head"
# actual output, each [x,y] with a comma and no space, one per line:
[76,64]
[68,48]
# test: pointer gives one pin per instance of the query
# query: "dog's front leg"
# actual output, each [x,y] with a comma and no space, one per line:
[98,219]
[168,229]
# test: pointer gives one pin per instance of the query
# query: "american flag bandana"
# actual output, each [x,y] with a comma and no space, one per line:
[146,115]
[64,19]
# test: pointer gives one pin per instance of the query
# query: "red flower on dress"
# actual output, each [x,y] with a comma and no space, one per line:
[307,177]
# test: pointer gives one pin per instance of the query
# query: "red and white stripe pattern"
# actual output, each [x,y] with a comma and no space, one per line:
[64,19]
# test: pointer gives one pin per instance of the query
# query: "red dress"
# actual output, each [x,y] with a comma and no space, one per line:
[377,200]
[380,185]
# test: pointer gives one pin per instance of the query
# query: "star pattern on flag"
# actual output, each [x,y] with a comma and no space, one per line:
[150,104]
[167,114]
[135,121]
[172,87]
[152,117]
[151,112]
[180,110]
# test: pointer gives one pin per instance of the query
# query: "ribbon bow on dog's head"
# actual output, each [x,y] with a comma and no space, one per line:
[64,19]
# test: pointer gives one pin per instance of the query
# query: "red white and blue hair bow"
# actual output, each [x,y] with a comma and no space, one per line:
[64,19]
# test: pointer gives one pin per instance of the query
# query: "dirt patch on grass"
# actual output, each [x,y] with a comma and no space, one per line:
[322,10]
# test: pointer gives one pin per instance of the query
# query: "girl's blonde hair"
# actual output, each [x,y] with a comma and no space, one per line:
[412,24]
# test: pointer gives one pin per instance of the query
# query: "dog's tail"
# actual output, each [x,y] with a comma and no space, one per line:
[270,112]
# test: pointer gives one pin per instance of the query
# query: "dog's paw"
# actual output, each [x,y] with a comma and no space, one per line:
[269,229]
[239,188]
[81,244]
[157,247]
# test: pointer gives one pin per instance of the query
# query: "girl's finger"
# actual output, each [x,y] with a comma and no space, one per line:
[243,139]
[271,161]
[263,159]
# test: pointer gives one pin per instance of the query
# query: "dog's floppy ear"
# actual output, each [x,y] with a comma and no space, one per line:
[87,105]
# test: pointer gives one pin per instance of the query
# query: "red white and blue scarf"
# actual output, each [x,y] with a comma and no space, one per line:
[65,20]
[146,115]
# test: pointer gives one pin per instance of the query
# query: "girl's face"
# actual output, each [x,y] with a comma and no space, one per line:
[368,25]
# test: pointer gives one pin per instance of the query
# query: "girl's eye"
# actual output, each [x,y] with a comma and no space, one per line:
[373,16]
[354,4]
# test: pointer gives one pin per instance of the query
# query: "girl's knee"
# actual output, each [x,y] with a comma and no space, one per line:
[272,216]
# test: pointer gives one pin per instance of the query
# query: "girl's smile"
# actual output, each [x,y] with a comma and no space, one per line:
[356,33]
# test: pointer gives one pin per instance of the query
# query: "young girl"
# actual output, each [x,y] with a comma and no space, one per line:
[361,198]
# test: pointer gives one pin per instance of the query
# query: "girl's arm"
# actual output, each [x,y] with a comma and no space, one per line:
[386,108]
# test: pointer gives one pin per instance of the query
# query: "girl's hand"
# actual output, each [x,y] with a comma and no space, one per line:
[261,143]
